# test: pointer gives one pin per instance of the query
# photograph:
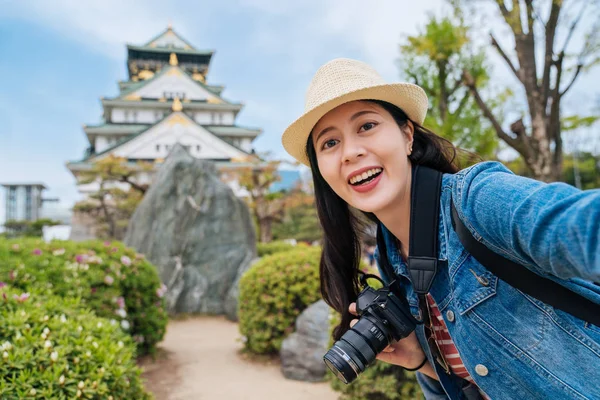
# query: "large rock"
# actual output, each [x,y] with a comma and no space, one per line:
[302,352]
[198,234]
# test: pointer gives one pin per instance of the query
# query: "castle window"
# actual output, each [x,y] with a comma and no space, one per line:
[157,147]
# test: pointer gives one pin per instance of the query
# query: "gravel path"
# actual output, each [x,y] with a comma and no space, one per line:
[200,360]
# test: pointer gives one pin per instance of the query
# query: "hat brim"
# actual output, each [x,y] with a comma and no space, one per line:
[408,97]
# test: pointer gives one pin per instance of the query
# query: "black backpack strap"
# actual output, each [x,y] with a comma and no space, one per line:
[526,280]
[384,263]
[424,217]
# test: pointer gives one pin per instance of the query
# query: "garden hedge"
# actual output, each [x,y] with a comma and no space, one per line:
[54,348]
[273,292]
[109,278]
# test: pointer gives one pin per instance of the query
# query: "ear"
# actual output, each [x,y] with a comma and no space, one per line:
[409,132]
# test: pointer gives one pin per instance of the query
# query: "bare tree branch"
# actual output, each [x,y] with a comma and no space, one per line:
[549,49]
[503,9]
[140,188]
[573,26]
[462,103]
[456,86]
[505,57]
[579,67]
[470,83]
[530,17]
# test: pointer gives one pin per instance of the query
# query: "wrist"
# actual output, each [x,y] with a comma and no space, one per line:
[418,367]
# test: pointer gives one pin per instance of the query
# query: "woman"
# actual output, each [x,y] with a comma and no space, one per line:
[362,138]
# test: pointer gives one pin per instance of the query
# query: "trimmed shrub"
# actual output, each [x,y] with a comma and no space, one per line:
[54,348]
[112,280]
[273,292]
[265,249]
[380,381]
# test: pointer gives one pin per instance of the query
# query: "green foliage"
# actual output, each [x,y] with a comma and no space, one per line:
[54,348]
[111,207]
[28,228]
[266,249]
[585,166]
[582,171]
[435,60]
[273,292]
[573,122]
[256,177]
[112,280]
[380,381]
[300,221]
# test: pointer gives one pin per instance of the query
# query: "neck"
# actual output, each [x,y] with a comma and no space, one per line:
[396,217]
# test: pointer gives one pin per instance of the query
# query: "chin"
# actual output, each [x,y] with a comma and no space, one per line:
[368,207]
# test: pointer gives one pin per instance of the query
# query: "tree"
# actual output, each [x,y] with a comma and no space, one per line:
[435,60]
[119,192]
[544,80]
[581,170]
[301,221]
[256,177]
[35,228]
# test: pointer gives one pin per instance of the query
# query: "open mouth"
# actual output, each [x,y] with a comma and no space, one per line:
[365,177]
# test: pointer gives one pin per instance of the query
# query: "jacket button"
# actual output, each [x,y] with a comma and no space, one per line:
[481,370]
[450,315]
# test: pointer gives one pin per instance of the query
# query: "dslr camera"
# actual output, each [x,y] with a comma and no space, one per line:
[383,318]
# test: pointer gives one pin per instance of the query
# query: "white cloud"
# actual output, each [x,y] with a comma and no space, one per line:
[271,48]
[102,24]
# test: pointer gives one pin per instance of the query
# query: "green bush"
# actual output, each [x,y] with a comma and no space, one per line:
[380,381]
[54,348]
[266,249]
[273,292]
[112,280]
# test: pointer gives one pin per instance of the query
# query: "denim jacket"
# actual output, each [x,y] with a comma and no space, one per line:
[514,346]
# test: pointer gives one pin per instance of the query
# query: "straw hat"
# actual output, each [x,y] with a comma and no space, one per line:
[343,80]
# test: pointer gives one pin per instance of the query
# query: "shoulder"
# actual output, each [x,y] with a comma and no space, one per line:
[483,169]
[491,180]
[464,179]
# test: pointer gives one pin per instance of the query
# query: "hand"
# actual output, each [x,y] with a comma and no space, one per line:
[406,353]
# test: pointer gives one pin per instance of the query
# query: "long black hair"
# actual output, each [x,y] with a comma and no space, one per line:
[343,226]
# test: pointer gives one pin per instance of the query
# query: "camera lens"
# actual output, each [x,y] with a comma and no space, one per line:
[356,349]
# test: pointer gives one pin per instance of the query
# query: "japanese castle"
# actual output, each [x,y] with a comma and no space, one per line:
[167,100]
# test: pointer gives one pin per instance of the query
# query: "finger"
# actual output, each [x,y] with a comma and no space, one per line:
[386,357]
[353,322]
[352,308]
[389,349]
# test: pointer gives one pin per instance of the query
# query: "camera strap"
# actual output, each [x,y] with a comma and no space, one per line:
[423,238]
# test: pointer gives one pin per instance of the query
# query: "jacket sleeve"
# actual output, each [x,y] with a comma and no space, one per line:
[552,228]
[432,389]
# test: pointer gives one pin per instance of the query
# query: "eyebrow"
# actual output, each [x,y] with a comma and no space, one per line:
[352,118]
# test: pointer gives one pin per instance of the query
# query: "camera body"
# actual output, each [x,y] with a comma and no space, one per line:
[384,318]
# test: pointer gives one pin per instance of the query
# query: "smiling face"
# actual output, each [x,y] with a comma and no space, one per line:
[362,154]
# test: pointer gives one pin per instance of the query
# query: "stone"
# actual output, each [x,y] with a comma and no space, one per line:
[197,232]
[302,352]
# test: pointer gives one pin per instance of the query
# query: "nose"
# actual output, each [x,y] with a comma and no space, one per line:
[352,150]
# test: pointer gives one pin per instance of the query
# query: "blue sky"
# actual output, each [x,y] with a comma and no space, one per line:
[57,58]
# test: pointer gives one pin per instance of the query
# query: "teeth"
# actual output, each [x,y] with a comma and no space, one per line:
[364,175]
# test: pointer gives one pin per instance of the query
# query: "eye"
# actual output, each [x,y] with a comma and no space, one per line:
[329,143]
[368,126]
